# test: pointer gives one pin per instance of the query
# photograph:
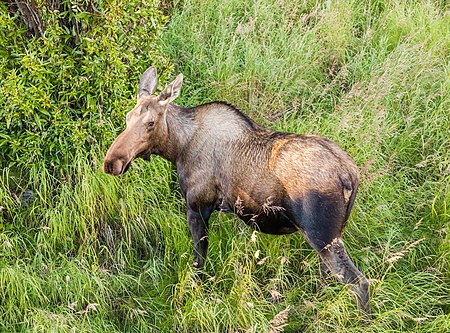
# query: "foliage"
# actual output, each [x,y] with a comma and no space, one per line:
[83,251]
[65,91]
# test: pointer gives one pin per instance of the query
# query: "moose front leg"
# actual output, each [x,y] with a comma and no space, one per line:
[198,225]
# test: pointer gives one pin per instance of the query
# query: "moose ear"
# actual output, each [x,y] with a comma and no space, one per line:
[171,91]
[148,82]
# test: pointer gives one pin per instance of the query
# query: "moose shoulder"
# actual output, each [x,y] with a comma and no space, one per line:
[276,182]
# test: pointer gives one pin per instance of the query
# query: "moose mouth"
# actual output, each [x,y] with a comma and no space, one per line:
[145,155]
[125,168]
[119,166]
[116,167]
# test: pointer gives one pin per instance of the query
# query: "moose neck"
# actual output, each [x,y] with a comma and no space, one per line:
[180,128]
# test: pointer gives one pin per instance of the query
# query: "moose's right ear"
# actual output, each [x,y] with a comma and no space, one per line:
[148,82]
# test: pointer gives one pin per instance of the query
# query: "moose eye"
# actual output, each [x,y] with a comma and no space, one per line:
[150,124]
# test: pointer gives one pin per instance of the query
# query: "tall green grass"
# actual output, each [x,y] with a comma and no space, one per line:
[374,77]
[91,253]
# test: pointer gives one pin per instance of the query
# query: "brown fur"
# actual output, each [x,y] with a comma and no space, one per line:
[276,148]
[276,182]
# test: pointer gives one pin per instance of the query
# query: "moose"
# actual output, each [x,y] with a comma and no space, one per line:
[276,182]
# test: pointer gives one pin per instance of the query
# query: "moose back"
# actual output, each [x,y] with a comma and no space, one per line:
[277,183]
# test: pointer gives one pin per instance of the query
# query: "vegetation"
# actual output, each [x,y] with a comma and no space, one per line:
[83,251]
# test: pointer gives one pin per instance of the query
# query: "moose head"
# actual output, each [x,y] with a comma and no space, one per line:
[146,126]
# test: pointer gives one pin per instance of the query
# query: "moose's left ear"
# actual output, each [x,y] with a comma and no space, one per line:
[148,82]
[171,91]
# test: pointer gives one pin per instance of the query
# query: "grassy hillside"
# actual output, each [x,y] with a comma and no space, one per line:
[85,252]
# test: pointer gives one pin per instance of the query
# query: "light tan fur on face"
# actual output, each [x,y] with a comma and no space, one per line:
[136,138]
[138,109]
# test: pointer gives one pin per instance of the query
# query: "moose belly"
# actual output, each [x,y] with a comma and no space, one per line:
[266,217]
[276,223]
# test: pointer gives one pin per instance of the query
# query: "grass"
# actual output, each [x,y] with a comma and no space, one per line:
[92,253]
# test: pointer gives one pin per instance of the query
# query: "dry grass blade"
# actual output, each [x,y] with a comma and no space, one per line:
[400,254]
[278,323]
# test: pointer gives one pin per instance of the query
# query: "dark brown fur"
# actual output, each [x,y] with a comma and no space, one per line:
[277,183]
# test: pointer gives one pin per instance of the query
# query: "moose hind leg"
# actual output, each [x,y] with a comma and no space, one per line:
[321,219]
[340,265]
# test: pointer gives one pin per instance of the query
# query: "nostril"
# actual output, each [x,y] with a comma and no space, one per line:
[113,167]
[106,168]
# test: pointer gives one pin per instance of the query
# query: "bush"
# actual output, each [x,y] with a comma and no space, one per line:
[64,90]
